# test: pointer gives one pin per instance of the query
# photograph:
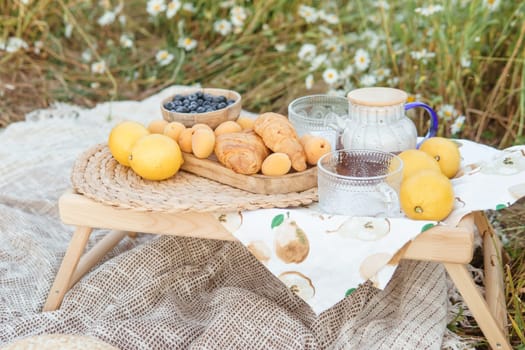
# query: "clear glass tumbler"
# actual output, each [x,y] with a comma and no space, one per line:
[317,114]
[359,183]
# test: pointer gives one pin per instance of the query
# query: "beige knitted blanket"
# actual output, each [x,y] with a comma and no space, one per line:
[164,292]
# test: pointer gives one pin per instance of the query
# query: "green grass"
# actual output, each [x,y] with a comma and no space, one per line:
[476,68]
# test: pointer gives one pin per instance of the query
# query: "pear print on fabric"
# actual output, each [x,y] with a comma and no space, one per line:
[231,221]
[363,228]
[298,283]
[291,242]
[507,163]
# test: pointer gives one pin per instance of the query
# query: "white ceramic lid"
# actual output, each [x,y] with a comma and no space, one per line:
[377,96]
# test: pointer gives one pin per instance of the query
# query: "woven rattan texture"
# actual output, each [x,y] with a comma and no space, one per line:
[97,175]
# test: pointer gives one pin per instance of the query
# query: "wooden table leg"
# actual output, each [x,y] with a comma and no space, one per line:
[493,268]
[477,305]
[96,253]
[67,268]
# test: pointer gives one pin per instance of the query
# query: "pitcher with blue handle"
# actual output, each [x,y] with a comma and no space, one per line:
[377,120]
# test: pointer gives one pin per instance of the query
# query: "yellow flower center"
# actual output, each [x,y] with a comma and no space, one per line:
[156,7]
[163,55]
[362,59]
[187,41]
[491,2]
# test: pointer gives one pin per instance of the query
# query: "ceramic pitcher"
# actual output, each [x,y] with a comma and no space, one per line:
[377,120]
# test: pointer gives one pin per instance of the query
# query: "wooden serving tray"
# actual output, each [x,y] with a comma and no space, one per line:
[211,169]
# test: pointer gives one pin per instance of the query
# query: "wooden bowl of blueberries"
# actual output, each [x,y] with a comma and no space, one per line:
[202,105]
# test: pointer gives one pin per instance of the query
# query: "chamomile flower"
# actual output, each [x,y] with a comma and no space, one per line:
[126,41]
[422,55]
[173,7]
[86,56]
[25,2]
[238,15]
[330,76]
[223,27]
[309,13]
[465,61]
[164,58]
[37,46]
[107,18]
[447,112]
[336,92]
[98,67]
[347,72]
[329,18]
[309,81]
[317,61]
[189,7]
[382,4]
[332,45]
[491,4]
[307,52]
[122,20]
[368,80]
[187,44]
[361,59]
[154,7]
[68,30]
[372,38]
[457,125]
[429,10]
[227,4]
[382,73]
[326,30]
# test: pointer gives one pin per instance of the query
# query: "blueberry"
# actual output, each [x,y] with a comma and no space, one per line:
[193,105]
[186,102]
[192,97]
[220,99]
[209,109]
[168,105]
[199,94]
[177,103]
[221,105]
[200,109]
[199,101]
[230,102]
[180,109]
[178,97]
[208,97]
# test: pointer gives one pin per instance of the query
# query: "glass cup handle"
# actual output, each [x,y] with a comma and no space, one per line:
[432,131]
[390,198]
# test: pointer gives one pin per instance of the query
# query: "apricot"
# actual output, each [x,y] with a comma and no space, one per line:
[202,143]
[201,126]
[276,164]
[185,142]
[227,127]
[315,147]
[246,123]
[157,126]
[173,130]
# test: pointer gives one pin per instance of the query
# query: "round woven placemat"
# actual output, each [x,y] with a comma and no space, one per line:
[97,175]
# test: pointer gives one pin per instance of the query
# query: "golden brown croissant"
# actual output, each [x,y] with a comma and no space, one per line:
[243,152]
[279,135]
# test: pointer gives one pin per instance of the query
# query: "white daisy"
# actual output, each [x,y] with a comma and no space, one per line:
[37,46]
[309,14]
[68,30]
[429,10]
[107,18]
[187,44]
[457,125]
[368,80]
[309,81]
[372,39]
[238,15]
[154,7]
[422,55]
[336,92]
[173,8]
[317,61]
[326,30]
[347,72]
[382,73]
[122,19]
[394,81]
[330,76]
[307,52]
[361,59]
[447,112]
[382,4]
[25,2]
[227,4]
[332,45]
[223,27]
[329,18]
[163,57]
[98,67]
[491,4]
[126,41]
[189,7]
[95,85]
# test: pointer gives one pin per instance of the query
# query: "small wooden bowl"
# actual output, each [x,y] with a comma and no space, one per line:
[213,118]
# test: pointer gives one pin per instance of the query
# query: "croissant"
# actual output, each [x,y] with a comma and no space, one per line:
[279,135]
[243,152]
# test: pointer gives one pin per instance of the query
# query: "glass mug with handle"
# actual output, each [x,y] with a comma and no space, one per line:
[377,120]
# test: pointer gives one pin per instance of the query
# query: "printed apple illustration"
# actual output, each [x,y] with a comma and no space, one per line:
[231,221]
[298,283]
[364,228]
[509,163]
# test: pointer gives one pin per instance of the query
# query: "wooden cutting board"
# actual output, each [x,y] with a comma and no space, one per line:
[211,169]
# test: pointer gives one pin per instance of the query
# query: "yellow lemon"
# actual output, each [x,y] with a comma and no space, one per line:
[415,160]
[156,157]
[122,138]
[446,152]
[427,195]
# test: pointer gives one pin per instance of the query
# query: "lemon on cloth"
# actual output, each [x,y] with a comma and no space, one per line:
[427,195]
[415,160]
[156,157]
[446,152]
[122,138]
